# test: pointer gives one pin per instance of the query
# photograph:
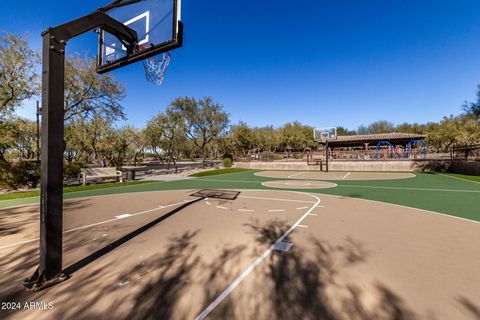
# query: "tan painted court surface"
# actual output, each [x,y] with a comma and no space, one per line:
[349,259]
[332,175]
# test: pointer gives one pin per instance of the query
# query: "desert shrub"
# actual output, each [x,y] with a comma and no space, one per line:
[72,170]
[228,156]
[227,162]
[21,174]
[5,169]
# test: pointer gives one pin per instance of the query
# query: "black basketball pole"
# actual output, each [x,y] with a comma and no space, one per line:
[49,270]
[51,191]
[326,156]
[38,131]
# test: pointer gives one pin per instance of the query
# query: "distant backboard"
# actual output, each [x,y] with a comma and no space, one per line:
[325,134]
[158,27]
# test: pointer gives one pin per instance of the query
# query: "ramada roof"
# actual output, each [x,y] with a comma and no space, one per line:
[359,140]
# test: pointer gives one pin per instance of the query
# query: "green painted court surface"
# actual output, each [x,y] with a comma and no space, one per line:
[435,192]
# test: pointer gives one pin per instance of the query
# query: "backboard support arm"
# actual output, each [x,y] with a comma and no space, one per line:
[49,271]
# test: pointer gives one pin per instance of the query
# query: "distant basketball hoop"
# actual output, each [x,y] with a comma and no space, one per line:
[324,135]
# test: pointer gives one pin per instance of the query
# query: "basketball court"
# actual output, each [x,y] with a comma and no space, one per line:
[229,247]
[265,255]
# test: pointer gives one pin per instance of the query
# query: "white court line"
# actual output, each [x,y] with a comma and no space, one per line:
[406,188]
[348,173]
[458,178]
[123,216]
[412,208]
[405,207]
[277,210]
[246,210]
[94,224]
[301,208]
[219,180]
[313,214]
[344,185]
[220,207]
[295,175]
[66,195]
[276,199]
[19,243]
[373,187]
[251,267]
[293,185]
[302,226]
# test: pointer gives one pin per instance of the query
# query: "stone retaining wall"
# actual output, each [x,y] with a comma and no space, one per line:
[466,167]
[398,165]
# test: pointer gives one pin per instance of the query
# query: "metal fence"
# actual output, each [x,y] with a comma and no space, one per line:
[466,153]
[381,154]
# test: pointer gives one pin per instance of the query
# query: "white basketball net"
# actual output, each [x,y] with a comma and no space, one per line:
[155,68]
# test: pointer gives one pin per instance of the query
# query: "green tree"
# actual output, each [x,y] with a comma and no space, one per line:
[25,138]
[473,108]
[165,132]
[376,127]
[447,133]
[88,94]
[204,121]
[120,146]
[18,80]
[243,138]
[411,128]
[296,137]
[77,140]
[268,138]
[362,130]
[341,131]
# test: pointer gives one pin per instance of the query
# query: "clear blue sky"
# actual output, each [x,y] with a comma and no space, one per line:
[322,62]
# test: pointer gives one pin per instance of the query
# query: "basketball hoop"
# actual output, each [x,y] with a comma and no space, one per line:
[324,135]
[155,68]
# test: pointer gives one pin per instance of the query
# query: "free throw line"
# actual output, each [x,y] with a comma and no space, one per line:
[117,218]
[295,175]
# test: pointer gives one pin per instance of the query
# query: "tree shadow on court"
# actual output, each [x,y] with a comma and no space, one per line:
[298,284]
[148,289]
[389,305]
[172,273]
[219,272]
[124,239]
[97,281]
[16,264]
[178,269]
[353,251]
[472,308]
[19,262]
[21,219]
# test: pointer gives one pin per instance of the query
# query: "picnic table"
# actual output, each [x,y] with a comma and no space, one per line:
[130,171]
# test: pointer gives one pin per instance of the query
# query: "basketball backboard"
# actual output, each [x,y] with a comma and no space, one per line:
[158,26]
[325,134]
